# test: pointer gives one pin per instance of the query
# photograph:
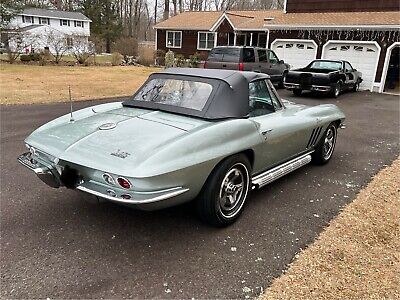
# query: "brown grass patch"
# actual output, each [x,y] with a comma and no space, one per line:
[358,255]
[26,84]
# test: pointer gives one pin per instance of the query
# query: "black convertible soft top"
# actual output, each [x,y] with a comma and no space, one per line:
[229,98]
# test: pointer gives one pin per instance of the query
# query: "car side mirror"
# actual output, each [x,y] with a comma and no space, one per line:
[281,61]
[355,70]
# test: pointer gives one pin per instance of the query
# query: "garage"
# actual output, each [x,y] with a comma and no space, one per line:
[363,56]
[297,53]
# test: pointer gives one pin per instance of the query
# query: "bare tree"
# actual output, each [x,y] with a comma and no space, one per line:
[17,42]
[58,45]
[81,49]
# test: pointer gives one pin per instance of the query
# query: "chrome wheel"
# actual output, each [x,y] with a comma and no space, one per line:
[233,190]
[329,143]
[337,90]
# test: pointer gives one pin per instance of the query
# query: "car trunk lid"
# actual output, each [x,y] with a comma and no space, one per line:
[128,135]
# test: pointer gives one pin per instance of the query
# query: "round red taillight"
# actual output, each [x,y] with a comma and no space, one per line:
[124,182]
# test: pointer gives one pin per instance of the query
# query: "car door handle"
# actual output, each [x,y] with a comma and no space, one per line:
[224,66]
[266,131]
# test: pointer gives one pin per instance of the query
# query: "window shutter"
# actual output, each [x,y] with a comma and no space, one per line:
[33,20]
[23,19]
[60,22]
[48,21]
[82,24]
[69,24]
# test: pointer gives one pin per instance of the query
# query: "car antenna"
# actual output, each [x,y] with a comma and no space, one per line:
[70,104]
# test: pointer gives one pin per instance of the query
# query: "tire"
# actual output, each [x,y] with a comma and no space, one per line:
[223,183]
[356,87]
[324,150]
[281,84]
[337,89]
[297,92]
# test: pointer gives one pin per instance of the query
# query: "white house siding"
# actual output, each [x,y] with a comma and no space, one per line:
[39,32]
[55,23]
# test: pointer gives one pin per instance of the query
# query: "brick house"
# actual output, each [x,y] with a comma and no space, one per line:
[364,32]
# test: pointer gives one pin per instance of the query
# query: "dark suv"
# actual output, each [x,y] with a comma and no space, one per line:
[248,59]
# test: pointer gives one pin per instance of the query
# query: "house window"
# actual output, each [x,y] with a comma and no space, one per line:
[64,23]
[358,48]
[206,40]
[241,39]
[344,48]
[262,40]
[44,21]
[27,19]
[78,24]
[300,46]
[289,46]
[174,39]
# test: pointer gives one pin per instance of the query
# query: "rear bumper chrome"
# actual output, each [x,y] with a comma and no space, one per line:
[46,172]
[50,175]
[136,197]
[316,88]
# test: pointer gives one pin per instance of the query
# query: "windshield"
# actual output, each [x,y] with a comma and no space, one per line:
[325,64]
[180,93]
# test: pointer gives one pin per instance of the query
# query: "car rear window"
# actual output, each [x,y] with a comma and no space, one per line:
[224,55]
[180,93]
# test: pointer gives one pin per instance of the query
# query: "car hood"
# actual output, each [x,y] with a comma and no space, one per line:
[129,137]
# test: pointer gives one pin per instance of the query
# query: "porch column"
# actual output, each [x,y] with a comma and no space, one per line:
[234,38]
[251,39]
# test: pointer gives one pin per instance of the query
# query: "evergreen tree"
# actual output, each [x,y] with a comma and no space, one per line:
[106,23]
[8,10]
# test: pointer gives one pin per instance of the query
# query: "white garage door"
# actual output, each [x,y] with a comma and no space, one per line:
[362,56]
[297,53]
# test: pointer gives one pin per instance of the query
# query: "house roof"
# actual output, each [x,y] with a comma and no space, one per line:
[270,19]
[53,13]
[196,20]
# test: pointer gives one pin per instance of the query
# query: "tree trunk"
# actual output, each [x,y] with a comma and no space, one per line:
[166,9]
[108,45]
[180,6]
[175,7]
[155,12]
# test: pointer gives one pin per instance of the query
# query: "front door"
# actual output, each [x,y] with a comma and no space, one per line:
[283,134]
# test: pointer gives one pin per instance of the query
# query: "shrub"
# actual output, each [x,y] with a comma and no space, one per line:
[169,59]
[25,57]
[44,57]
[35,56]
[30,57]
[126,46]
[159,57]
[180,60]
[116,59]
[194,60]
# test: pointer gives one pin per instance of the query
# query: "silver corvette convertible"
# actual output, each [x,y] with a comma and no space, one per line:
[209,136]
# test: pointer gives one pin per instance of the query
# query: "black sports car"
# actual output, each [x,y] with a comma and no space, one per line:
[324,76]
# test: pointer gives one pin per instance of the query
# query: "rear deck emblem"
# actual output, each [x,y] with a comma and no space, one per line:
[120,154]
[107,126]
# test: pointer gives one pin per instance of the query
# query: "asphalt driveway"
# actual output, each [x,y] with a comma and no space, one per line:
[63,244]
